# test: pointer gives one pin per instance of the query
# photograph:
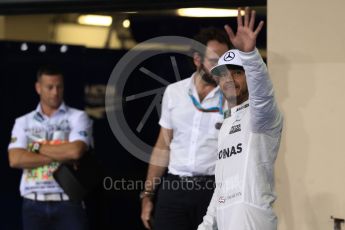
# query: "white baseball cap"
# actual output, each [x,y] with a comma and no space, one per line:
[230,59]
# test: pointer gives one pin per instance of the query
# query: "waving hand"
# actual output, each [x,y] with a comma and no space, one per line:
[245,37]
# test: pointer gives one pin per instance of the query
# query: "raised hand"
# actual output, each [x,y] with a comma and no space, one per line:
[245,37]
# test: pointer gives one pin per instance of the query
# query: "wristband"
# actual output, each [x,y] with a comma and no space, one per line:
[36,147]
[145,193]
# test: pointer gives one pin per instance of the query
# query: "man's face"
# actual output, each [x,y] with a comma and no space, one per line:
[233,84]
[50,88]
[213,51]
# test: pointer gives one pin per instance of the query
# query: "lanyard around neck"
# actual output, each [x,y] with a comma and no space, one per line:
[213,109]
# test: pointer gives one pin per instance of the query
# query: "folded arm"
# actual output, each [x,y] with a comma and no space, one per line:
[21,158]
[64,152]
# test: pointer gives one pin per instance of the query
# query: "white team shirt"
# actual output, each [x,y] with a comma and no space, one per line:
[193,149]
[247,148]
[66,124]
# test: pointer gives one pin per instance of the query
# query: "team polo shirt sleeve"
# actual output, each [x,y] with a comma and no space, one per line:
[81,128]
[265,116]
[165,120]
[18,137]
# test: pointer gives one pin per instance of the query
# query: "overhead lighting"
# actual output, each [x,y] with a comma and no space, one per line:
[95,20]
[24,47]
[126,23]
[130,12]
[208,12]
[63,49]
[42,48]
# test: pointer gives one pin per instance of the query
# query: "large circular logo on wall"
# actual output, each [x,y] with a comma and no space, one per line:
[134,60]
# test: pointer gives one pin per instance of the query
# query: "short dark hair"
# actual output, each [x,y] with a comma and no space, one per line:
[212,33]
[49,69]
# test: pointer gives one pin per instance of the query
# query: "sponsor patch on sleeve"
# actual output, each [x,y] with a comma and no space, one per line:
[83,133]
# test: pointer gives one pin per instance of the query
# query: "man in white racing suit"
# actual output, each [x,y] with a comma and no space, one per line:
[249,137]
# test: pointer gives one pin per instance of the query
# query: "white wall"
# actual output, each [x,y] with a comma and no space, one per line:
[306,58]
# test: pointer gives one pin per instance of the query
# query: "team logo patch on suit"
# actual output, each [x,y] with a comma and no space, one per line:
[13,139]
[242,107]
[221,200]
[235,129]
[228,152]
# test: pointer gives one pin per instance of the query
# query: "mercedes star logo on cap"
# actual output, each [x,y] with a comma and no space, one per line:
[229,56]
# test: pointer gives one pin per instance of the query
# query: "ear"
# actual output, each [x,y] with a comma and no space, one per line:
[38,88]
[197,59]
